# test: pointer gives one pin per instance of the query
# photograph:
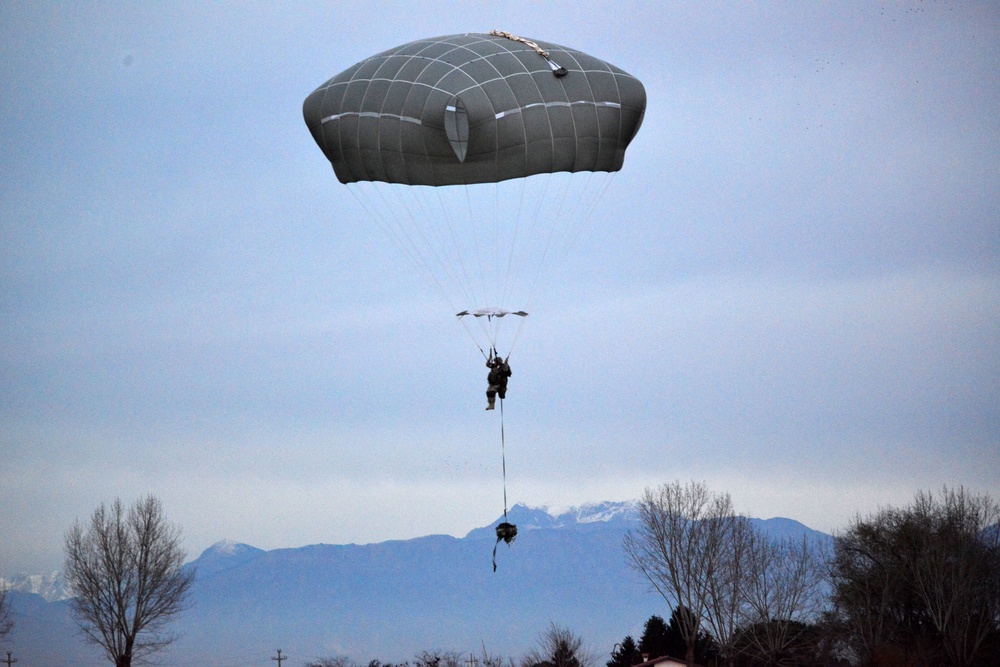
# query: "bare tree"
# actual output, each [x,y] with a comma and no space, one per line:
[437,659]
[558,647]
[487,659]
[783,591]
[332,661]
[866,588]
[952,556]
[923,582]
[125,570]
[6,618]
[686,547]
[727,610]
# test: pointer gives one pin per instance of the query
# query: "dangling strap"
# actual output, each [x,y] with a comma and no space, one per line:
[495,553]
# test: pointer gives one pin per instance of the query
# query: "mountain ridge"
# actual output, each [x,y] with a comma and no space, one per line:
[390,600]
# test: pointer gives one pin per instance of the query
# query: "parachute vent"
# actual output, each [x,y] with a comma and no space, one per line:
[456,126]
[556,68]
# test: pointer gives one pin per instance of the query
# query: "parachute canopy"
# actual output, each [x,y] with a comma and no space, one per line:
[491,312]
[474,108]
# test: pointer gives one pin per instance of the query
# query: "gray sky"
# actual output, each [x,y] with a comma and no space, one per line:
[791,290]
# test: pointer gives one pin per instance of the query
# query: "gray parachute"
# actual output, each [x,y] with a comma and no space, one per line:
[474,108]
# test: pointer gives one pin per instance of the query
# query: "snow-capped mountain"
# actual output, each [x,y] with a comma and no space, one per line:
[606,515]
[224,555]
[51,587]
[391,600]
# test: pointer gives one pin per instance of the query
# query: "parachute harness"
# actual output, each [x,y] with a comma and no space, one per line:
[555,67]
[505,531]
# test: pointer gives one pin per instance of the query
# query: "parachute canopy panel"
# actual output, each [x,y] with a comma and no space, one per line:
[474,108]
[491,312]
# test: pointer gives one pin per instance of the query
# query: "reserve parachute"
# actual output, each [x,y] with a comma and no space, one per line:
[483,156]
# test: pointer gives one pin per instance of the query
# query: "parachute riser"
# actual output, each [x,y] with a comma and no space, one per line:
[506,532]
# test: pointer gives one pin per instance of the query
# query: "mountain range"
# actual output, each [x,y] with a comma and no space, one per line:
[391,600]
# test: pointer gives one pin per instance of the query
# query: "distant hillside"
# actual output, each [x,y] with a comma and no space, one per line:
[394,599]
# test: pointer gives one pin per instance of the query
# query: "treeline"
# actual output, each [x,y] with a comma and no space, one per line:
[557,646]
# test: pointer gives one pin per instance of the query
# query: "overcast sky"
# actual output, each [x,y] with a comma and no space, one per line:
[791,291]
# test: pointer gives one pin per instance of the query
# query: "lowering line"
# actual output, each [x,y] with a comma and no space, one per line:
[505,531]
